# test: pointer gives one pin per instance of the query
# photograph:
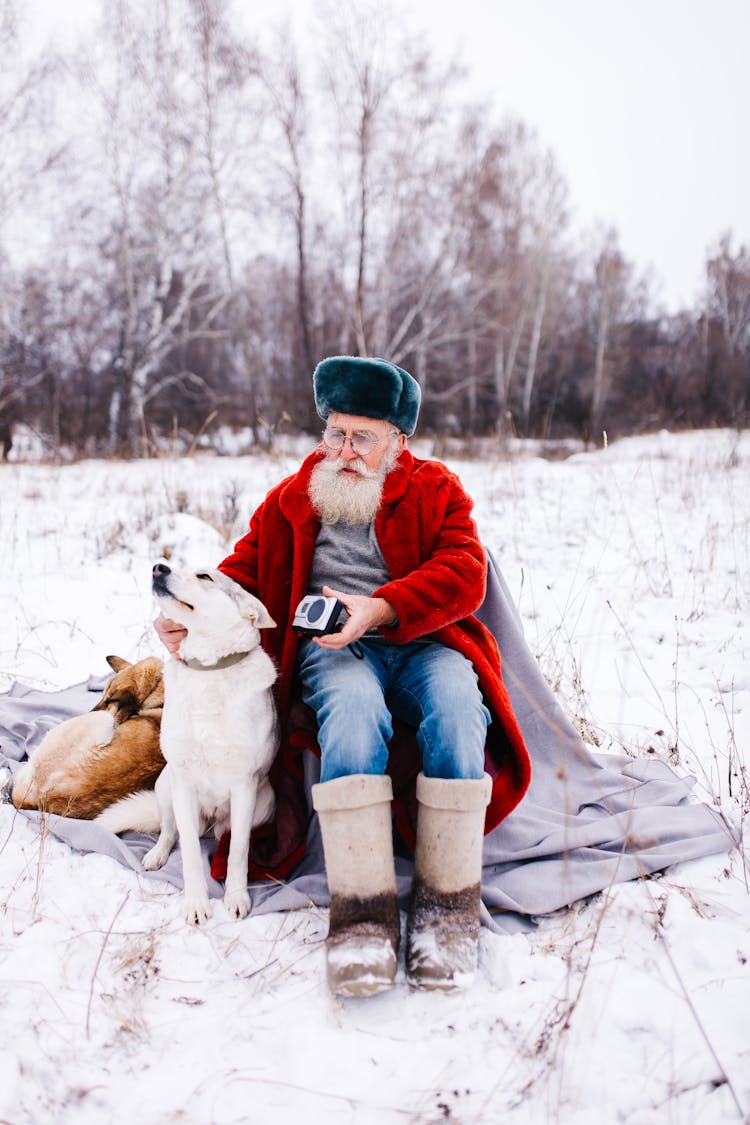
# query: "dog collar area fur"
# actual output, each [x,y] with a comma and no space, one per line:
[225,662]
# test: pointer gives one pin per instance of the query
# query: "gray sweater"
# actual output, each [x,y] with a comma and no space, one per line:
[347,557]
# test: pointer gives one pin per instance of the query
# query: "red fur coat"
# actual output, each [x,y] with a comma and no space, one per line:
[438,573]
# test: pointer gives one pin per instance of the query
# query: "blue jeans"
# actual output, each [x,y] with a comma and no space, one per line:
[432,687]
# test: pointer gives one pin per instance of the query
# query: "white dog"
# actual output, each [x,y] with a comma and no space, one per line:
[218,734]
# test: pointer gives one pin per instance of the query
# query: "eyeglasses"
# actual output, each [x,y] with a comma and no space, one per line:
[361,442]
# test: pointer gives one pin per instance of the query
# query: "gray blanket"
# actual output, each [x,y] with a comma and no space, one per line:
[588,820]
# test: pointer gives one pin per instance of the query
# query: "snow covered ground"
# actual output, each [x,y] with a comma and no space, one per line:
[631,567]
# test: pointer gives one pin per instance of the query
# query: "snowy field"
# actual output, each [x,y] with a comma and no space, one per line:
[631,567]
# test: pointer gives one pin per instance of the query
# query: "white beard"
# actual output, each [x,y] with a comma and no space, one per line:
[339,497]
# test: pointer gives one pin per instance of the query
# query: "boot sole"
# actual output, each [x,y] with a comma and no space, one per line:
[456,983]
[361,987]
[367,969]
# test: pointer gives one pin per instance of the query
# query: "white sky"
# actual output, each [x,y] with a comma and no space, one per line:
[646,104]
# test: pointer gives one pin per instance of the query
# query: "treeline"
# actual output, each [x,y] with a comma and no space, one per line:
[192,215]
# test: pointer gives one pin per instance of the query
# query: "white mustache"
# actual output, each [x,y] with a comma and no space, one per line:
[357,465]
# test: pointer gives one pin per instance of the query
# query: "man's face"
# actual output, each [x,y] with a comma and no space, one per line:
[347,485]
[352,424]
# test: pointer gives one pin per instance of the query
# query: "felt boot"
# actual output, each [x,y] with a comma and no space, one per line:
[364,925]
[443,926]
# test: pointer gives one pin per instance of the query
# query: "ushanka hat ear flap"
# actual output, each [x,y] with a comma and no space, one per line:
[371,388]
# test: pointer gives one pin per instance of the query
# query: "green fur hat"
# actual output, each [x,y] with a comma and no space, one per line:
[372,388]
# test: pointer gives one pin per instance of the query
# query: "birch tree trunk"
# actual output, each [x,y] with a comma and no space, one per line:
[536,335]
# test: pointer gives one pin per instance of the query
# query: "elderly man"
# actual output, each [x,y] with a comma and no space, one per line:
[391,537]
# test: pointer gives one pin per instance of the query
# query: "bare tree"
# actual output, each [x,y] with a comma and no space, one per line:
[359,79]
[29,140]
[728,276]
[514,207]
[31,151]
[391,120]
[728,304]
[613,297]
[159,208]
[285,86]
[233,117]
[609,274]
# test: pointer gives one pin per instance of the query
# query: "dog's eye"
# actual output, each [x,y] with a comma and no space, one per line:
[207,577]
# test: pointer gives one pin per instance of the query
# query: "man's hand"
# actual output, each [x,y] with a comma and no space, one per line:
[170,633]
[364,614]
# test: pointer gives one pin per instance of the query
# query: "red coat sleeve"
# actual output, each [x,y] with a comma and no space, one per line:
[432,549]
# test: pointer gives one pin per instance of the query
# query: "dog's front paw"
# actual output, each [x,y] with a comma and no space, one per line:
[197,910]
[156,858]
[237,903]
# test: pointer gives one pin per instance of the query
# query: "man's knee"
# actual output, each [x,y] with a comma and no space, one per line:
[454,724]
[354,723]
[352,699]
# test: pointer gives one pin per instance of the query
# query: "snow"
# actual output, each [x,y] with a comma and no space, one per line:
[631,567]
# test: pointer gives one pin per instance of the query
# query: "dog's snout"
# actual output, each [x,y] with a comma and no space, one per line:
[160,572]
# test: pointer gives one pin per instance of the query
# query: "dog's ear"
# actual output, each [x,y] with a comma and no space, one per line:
[249,606]
[147,686]
[253,609]
[260,616]
[117,663]
[119,699]
[126,693]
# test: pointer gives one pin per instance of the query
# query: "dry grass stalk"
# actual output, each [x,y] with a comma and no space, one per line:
[99,961]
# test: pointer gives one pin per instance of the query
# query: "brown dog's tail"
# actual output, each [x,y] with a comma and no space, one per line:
[137,813]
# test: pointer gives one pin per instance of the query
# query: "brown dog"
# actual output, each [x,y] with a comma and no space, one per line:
[86,763]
